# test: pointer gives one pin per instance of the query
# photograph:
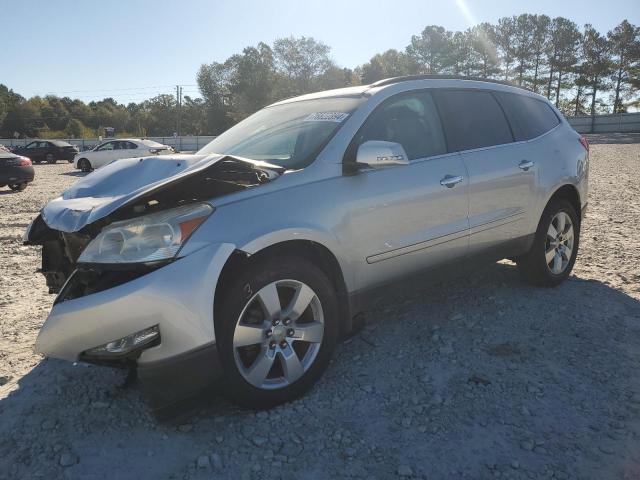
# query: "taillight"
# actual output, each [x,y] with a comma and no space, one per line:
[583,141]
[25,162]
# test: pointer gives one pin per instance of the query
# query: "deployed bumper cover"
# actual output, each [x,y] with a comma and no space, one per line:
[177,297]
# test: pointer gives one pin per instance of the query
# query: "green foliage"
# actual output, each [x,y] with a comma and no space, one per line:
[578,70]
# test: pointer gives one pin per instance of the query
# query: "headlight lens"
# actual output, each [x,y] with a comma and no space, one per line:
[158,236]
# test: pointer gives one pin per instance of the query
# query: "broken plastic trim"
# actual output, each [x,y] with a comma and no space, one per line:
[94,278]
[101,355]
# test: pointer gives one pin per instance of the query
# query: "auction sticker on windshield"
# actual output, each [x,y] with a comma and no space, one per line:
[326,117]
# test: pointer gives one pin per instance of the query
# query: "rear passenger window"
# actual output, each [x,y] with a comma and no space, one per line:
[529,117]
[410,120]
[472,119]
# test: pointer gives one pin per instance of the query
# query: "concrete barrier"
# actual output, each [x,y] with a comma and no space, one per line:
[610,123]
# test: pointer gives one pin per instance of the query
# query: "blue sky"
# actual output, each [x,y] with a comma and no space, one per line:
[135,49]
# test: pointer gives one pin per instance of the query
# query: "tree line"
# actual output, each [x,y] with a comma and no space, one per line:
[581,70]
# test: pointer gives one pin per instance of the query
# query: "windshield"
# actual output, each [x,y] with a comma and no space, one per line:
[287,135]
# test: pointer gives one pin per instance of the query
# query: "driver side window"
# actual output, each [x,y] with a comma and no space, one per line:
[410,120]
[106,146]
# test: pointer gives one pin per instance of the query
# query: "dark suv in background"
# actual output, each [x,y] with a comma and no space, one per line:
[49,151]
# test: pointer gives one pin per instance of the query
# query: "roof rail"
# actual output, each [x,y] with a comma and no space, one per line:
[407,78]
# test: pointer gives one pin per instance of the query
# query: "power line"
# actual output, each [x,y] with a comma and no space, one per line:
[51,92]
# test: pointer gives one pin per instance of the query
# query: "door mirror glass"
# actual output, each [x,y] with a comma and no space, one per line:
[378,153]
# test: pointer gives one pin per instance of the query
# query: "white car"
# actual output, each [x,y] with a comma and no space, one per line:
[111,150]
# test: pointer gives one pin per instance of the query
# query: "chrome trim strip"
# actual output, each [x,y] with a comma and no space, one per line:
[496,223]
[418,246]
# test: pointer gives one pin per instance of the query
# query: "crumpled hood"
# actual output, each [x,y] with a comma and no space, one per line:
[114,185]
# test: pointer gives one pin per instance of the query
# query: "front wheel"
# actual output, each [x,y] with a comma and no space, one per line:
[555,246]
[277,326]
[84,165]
[18,187]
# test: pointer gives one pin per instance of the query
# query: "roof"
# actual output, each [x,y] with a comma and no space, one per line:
[59,143]
[360,90]
[407,78]
[355,92]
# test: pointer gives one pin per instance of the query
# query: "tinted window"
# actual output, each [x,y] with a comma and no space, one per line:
[472,119]
[106,146]
[528,116]
[410,120]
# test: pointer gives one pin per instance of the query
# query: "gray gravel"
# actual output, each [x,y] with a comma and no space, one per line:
[481,377]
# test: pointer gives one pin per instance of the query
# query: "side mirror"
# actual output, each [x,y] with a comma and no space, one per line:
[378,153]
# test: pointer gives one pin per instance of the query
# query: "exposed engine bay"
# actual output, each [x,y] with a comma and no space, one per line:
[64,232]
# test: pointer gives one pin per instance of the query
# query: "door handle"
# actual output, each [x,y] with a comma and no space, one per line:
[451,181]
[526,165]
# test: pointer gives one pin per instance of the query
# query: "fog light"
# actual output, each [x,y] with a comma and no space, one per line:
[122,346]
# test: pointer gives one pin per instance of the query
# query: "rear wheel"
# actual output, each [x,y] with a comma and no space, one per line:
[276,328]
[84,165]
[555,247]
[18,187]
[50,158]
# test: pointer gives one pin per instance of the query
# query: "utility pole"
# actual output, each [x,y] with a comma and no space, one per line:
[178,107]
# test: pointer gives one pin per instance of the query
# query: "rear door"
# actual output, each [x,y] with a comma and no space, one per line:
[501,190]
[402,218]
[130,149]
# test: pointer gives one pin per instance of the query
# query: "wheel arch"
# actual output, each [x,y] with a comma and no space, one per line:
[570,193]
[315,251]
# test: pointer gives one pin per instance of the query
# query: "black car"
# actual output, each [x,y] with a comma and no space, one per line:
[15,171]
[49,151]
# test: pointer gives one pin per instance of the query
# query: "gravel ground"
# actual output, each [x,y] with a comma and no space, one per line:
[481,377]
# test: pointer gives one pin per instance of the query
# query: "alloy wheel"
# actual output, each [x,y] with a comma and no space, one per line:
[278,334]
[559,243]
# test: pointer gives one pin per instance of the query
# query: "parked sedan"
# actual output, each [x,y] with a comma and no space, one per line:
[15,171]
[49,151]
[117,149]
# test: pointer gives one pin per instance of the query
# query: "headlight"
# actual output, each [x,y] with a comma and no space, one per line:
[158,236]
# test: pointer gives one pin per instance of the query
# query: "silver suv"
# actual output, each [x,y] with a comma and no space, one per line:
[248,261]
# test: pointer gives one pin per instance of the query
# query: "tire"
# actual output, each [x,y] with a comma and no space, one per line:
[561,251]
[18,187]
[84,165]
[50,158]
[242,302]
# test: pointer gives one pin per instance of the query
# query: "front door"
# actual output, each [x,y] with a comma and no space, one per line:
[36,151]
[407,218]
[103,154]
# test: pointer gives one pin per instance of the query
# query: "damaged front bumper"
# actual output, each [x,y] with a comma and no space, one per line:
[178,297]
